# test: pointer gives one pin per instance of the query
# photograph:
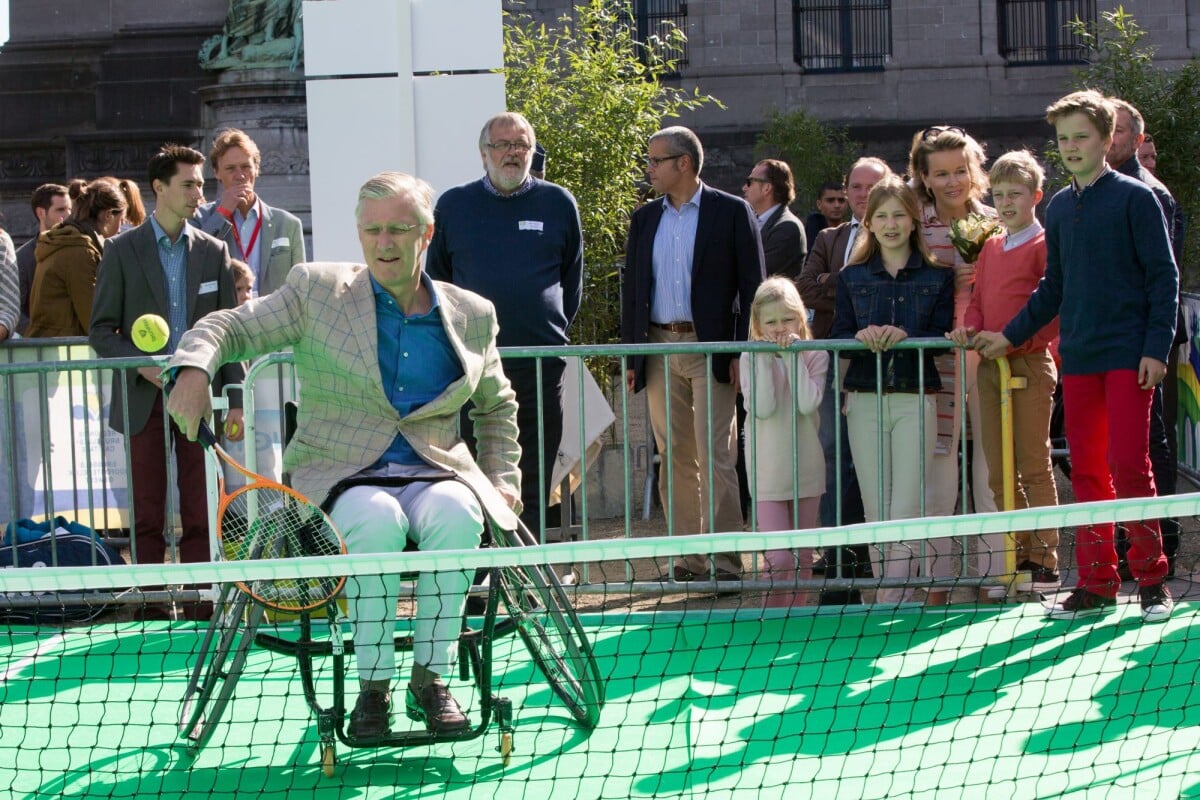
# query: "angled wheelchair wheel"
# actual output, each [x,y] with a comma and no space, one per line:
[219,663]
[547,623]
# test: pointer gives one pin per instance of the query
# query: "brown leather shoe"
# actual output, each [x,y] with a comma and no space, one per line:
[435,706]
[372,715]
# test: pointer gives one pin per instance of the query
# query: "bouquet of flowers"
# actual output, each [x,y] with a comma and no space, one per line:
[969,234]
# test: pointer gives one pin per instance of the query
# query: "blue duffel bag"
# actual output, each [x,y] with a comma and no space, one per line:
[65,544]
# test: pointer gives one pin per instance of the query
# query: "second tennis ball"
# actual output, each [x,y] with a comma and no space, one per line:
[150,333]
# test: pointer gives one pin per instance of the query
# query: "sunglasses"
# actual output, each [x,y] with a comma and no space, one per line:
[752,179]
[934,131]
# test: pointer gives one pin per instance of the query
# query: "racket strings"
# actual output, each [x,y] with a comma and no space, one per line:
[269,522]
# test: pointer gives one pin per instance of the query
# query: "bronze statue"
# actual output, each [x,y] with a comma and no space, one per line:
[257,34]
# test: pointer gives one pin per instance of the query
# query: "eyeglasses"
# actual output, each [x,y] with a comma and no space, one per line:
[933,131]
[519,147]
[651,161]
[753,179]
[396,229]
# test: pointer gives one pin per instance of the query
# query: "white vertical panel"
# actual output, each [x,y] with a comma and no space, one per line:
[448,152]
[428,125]
[355,37]
[356,128]
[457,35]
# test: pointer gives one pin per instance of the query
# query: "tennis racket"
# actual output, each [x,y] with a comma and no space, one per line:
[265,519]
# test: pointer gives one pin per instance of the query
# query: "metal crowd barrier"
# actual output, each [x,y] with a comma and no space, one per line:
[63,459]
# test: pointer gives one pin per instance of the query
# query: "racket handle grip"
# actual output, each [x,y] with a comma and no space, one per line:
[205,435]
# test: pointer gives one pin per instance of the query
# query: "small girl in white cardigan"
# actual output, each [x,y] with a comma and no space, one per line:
[783,392]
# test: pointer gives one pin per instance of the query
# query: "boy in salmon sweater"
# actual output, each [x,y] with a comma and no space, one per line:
[1006,274]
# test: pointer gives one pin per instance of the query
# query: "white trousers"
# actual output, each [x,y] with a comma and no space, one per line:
[437,515]
[896,470]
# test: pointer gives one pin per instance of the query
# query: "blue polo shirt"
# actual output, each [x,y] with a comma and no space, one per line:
[416,361]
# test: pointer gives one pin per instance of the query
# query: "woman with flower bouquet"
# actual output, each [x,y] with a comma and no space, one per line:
[946,170]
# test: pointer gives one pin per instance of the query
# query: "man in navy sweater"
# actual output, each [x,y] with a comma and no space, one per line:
[517,241]
[1111,278]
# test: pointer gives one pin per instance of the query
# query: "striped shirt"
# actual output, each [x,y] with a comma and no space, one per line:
[173,258]
[674,246]
[10,292]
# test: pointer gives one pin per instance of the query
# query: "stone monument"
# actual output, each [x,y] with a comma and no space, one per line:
[259,61]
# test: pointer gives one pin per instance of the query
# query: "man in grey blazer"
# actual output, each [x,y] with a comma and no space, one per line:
[168,268]
[387,357]
[269,239]
[769,190]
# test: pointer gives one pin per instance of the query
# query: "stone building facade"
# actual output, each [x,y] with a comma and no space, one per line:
[991,66]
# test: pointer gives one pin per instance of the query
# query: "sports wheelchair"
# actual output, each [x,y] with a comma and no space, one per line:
[535,607]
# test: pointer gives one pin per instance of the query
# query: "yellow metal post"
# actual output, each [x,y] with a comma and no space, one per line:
[1007,384]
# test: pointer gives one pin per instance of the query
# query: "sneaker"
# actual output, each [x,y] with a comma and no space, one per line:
[1081,603]
[1042,579]
[372,715]
[1156,602]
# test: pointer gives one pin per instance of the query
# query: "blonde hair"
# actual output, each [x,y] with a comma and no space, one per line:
[942,139]
[398,184]
[1018,166]
[1093,105]
[891,187]
[778,290]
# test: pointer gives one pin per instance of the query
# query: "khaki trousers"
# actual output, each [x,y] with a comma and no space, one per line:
[690,447]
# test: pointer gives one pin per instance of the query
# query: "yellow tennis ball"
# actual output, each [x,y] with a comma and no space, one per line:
[150,333]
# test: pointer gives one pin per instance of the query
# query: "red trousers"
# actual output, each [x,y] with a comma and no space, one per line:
[1107,427]
[147,451]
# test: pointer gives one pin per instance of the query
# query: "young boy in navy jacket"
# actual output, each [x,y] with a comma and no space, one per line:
[1112,280]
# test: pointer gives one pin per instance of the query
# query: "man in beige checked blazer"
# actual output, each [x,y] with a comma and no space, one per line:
[386,358]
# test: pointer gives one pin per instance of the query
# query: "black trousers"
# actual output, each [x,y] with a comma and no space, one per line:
[524,378]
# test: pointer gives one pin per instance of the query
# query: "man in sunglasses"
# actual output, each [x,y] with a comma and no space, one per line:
[769,190]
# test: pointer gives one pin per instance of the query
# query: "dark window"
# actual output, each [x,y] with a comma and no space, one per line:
[652,18]
[1035,31]
[841,35]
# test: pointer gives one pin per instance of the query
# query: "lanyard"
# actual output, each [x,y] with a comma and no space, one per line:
[248,249]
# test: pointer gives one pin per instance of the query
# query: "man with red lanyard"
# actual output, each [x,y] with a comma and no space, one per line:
[269,239]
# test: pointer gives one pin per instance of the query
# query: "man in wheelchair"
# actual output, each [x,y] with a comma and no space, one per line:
[386,358]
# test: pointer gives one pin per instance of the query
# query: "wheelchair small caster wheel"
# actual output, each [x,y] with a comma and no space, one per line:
[328,759]
[506,748]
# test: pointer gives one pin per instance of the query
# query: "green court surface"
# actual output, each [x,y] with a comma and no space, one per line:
[968,702]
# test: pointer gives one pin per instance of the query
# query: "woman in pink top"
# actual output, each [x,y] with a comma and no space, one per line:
[946,170]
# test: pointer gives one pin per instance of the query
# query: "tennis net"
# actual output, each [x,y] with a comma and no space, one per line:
[659,688]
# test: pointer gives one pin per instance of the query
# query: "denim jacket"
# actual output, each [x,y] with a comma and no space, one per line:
[919,300]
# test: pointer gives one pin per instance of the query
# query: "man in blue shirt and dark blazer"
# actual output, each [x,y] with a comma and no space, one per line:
[180,273]
[692,262]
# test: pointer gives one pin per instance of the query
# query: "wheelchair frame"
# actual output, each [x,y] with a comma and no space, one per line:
[538,610]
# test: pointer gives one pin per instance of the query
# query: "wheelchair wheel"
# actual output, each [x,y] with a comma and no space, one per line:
[219,663]
[551,630]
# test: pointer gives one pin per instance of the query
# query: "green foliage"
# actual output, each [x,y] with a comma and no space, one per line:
[1122,66]
[816,151]
[594,96]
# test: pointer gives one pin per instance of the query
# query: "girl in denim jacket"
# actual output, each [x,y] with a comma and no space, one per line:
[890,291]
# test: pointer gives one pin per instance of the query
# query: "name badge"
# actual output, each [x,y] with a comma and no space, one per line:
[208,287]
[530,225]
[281,242]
